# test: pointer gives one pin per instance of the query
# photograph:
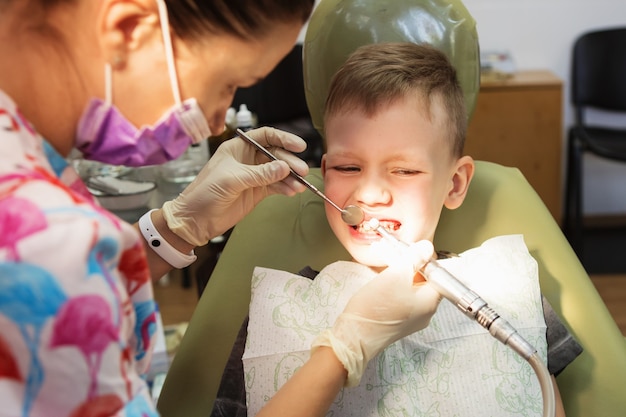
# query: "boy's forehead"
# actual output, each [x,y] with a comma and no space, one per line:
[411,108]
[416,101]
[387,142]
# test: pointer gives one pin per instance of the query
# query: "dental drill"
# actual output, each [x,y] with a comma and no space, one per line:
[474,307]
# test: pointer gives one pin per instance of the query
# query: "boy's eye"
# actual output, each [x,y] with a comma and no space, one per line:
[405,171]
[347,168]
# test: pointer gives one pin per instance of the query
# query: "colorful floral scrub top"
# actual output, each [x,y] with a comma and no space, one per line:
[77,315]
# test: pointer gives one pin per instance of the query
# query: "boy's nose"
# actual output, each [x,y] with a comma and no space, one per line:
[373,192]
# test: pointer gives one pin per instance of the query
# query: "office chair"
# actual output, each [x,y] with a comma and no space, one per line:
[278,101]
[290,233]
[598,81]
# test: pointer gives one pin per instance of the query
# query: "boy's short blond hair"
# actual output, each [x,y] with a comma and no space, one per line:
[377,75]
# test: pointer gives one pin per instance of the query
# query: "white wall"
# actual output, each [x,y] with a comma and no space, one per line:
[540,35]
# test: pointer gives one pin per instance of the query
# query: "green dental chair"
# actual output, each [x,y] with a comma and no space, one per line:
[290,233]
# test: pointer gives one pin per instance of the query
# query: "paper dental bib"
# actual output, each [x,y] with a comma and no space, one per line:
[452,368]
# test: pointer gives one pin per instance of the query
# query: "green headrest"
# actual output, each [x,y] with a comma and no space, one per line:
[338,27]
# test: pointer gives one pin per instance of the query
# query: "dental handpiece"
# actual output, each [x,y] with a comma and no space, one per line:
[466,300]
[351,215]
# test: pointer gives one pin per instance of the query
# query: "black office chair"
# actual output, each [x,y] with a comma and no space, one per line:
[278,101]
[598,81]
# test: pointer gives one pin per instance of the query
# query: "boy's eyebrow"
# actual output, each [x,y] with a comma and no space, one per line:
[342,152]
[348,151]
[397,158]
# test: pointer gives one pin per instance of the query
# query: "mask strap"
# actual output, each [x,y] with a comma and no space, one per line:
[169,50]
[108,84]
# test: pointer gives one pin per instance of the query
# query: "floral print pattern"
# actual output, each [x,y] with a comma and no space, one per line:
[77,315]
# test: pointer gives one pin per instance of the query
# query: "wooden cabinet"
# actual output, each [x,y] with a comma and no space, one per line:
[517,122]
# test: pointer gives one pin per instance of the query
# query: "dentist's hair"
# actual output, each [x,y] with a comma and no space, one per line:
[246,19]
[242,18]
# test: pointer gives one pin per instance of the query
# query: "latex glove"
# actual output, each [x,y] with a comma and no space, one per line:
[386,309]
[231,184]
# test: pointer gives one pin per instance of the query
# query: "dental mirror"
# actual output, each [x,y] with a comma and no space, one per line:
[352,215]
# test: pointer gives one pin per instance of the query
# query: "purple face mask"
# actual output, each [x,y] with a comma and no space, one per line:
[105,135]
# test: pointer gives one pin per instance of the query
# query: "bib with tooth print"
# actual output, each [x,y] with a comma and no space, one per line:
[452,368]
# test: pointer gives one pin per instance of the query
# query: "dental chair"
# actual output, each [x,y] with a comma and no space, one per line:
[290,233]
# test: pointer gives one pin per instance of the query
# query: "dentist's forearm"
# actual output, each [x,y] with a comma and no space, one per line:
[311,390]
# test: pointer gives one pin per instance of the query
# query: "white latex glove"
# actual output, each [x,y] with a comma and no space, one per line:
[231,184]
[386,309]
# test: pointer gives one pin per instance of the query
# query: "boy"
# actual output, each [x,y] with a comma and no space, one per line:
[394,126]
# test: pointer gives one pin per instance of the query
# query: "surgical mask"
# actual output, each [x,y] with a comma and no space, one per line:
[105,135]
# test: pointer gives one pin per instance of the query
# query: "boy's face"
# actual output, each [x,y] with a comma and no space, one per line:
[398,167]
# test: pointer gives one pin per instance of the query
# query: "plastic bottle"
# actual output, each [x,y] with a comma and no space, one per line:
[244,118]
[231,119]
[228,133]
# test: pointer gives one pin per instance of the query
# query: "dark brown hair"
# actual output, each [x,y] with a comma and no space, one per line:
[246,19]
[242,18]
[377,75]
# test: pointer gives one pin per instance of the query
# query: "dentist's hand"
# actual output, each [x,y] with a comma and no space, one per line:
[231,184]
[386,309]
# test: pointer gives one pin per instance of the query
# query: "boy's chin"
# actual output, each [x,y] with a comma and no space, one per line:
[378,255]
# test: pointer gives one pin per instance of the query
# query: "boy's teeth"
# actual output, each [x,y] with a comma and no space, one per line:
[390,226]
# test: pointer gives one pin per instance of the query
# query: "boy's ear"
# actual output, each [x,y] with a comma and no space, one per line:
[461,178]
[124,26]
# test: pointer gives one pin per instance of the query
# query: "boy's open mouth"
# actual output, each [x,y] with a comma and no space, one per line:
[389,225]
